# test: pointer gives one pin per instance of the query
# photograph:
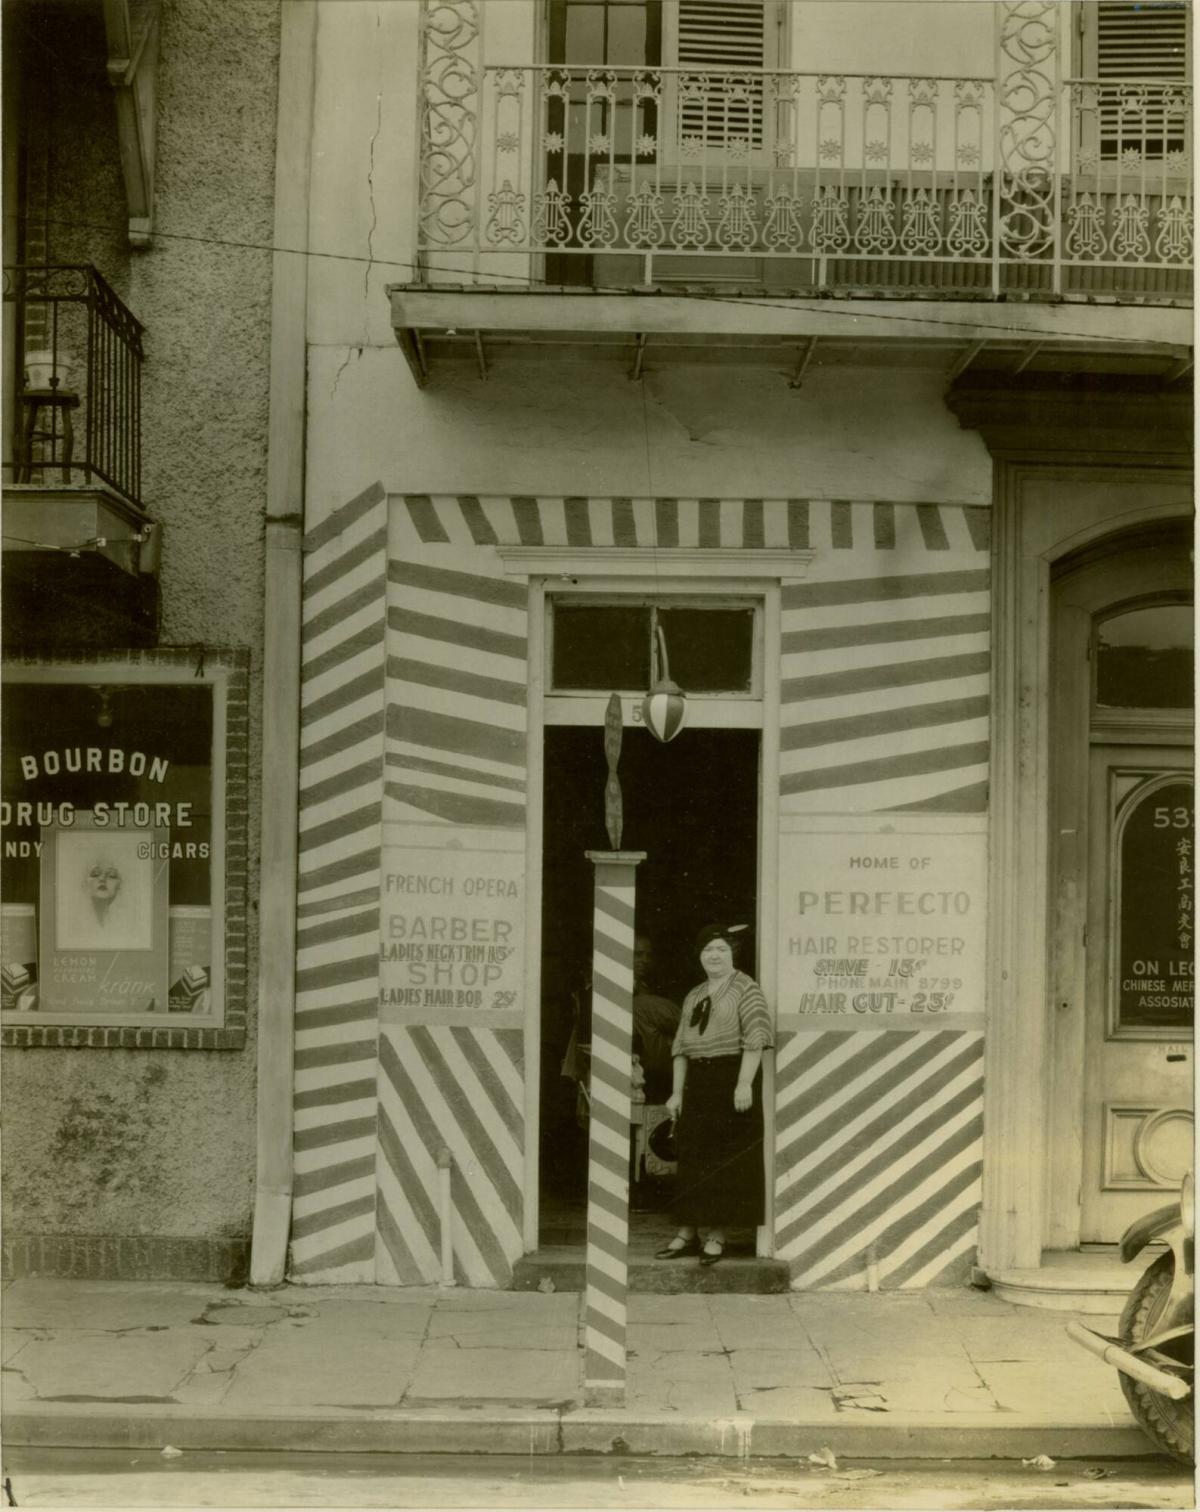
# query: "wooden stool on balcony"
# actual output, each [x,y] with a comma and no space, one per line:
[40,403]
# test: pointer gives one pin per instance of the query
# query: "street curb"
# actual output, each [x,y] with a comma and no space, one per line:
[552,1431]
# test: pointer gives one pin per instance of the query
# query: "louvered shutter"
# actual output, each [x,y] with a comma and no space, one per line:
[1139,40]
[723,34]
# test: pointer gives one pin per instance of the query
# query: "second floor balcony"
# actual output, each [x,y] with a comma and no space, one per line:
[77,355]
[76,533]
[951,187]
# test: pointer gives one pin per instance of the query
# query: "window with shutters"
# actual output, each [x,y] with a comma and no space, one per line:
[1136,50]
[714,51]
[727,43]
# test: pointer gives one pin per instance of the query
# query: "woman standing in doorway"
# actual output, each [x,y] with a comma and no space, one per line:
[717,1100]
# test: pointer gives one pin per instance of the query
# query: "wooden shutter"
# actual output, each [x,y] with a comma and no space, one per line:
[718,34]
[1139,40]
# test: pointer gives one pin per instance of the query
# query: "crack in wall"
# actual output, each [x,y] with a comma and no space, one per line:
[371,186]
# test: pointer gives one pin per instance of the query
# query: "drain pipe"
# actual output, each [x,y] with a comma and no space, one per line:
[446,1206]
[281,651]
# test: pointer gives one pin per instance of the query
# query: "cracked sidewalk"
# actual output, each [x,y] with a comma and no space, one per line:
[91,1362]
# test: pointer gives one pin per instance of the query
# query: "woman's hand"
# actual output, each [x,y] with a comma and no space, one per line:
[743,1096]
[674,1105]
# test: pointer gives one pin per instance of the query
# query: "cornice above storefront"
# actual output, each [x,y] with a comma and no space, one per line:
[1078,416]
[637,325]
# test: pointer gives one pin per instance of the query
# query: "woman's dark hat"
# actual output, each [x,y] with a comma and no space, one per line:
[662,1140]
[730,933]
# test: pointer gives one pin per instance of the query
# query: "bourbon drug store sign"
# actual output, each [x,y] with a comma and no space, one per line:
[105,852]
[881,925]
[452,931]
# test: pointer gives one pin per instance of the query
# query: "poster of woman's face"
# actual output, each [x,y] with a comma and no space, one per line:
[103,890]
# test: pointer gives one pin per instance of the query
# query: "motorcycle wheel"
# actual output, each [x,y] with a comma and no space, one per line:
[1171,1425]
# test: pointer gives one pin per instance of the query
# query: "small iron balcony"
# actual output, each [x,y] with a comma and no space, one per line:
[77,352]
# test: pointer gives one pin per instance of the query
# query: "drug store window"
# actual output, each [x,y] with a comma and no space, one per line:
[122,851]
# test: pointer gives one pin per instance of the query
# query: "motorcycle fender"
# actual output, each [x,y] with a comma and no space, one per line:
[1138,1235]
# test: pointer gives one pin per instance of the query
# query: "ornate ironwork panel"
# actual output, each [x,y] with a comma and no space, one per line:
[450,114]
[848,174]
[1026,107]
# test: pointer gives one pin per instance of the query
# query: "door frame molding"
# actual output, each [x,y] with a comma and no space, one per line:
[1097,582]
[755,572]
[1043,512]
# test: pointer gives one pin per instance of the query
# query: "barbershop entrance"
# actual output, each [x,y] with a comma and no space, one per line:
[693,807]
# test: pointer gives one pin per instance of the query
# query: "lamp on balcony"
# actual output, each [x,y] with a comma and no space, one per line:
[664,708]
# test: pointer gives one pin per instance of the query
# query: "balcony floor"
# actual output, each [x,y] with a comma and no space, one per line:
[433,322]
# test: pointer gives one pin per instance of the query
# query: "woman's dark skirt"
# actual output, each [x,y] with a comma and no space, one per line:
[719,1180]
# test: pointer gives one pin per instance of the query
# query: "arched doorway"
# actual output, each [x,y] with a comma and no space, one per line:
[1121,853]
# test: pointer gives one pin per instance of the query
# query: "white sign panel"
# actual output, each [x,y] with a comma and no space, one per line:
[882,926]
[451,935]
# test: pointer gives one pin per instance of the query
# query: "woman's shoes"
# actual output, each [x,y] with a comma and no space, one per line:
[712,1251]
[678,1248]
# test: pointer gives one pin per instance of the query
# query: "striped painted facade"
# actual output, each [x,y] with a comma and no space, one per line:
[835,525]
[461,1089]
[454,759]
[456,674]
[885,670]
[414,717]
[337,946]
[878,1154]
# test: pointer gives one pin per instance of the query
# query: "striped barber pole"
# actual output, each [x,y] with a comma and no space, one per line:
[608,1137]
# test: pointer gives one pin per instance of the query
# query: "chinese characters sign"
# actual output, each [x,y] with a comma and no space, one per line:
[1157,900]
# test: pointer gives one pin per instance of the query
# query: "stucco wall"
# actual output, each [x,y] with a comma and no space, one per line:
[162,1143]
[567,426]
[583,427]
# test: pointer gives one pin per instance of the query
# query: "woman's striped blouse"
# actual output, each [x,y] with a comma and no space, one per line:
[739,1020]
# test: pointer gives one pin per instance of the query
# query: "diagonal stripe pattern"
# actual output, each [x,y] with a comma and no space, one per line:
[842,525]
[879,1149]
[337,945]
[460,1089]
[607,1269]
[456,675]
[885,676]
[894,643]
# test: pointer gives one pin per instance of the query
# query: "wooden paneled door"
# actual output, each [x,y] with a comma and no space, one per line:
[1122,840]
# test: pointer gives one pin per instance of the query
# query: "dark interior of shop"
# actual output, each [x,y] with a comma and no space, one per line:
[692,806]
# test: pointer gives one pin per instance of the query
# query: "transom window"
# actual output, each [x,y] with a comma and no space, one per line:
[613,645]
[1143,657]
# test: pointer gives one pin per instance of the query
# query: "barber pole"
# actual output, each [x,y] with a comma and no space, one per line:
[664,711]
[608,1130]
[664,708]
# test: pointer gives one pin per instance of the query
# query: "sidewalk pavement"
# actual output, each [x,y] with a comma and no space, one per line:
[895,1374]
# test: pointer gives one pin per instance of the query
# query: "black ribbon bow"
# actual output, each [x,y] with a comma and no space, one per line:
[700,1013]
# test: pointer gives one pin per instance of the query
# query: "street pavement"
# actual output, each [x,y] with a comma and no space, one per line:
[894,1374]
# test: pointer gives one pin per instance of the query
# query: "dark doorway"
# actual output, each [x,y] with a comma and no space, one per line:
[692,806]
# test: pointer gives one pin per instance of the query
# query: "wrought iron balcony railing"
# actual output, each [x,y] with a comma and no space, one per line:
[635,175]
[77,350]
